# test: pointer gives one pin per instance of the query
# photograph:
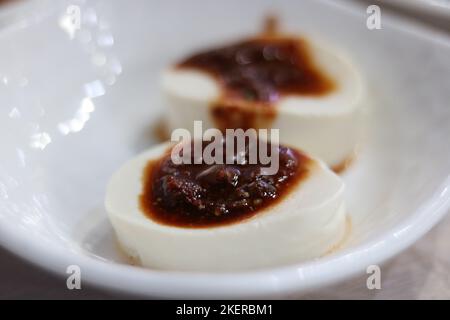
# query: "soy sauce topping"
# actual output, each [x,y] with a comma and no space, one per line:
[201,195]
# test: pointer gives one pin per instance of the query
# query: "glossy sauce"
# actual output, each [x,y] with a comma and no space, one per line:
[256,73]
[201,195]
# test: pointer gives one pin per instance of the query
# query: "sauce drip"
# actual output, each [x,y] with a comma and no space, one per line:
[256,73]
[201,195]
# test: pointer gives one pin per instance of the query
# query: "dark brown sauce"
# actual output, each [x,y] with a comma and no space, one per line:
[229,115]
[201,195]
[256,73]
[161,131]
[342,166]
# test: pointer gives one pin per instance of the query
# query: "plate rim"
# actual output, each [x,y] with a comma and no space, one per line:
[272,282]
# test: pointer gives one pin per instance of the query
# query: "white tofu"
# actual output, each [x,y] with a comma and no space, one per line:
[325,126]
[304,224]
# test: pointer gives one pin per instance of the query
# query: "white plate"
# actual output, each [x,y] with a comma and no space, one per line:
[73,110]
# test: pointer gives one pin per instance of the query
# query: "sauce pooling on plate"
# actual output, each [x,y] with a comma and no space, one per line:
[257,73]
[202,195]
